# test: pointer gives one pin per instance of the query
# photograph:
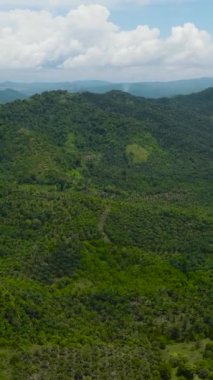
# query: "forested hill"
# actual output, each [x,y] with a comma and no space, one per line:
[8,95]
[106,237]
[113,141]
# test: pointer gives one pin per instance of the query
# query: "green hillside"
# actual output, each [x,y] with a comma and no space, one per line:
[9,95]
[106,237]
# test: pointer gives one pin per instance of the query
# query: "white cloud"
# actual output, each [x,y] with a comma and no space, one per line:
[85,40]
[71,4]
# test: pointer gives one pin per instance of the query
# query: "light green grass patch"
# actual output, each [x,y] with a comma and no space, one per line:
[70,143]
[192,352]
[5,370]
[137,154]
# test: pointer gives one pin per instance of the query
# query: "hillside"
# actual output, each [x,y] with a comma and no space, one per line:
[9,95]
[106,237]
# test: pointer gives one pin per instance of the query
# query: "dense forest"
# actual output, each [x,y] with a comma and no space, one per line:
[106,237]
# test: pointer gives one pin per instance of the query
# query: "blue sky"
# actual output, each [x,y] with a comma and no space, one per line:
[117,40]
[164,16]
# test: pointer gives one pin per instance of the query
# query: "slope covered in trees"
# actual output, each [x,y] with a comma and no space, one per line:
[9,95]
[105,240]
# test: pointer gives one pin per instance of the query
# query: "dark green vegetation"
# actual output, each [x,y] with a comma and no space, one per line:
[105,239]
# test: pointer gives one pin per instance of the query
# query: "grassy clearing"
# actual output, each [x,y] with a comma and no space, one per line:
[191,353]
[137,154]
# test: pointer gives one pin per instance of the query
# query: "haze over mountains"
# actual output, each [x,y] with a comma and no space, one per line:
[9,95]
[16,90]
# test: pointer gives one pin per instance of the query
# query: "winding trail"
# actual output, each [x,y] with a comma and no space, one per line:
[102,223]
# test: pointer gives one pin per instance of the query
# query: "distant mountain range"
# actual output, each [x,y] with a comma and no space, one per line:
[10,91]
[9,95]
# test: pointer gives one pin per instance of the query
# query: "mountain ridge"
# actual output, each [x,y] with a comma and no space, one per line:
[118,103]
[10,95]
[146,89]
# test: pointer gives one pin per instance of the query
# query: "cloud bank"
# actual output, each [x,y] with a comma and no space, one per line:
[85,39]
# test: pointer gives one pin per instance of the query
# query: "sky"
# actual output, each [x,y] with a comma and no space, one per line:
[113,40]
